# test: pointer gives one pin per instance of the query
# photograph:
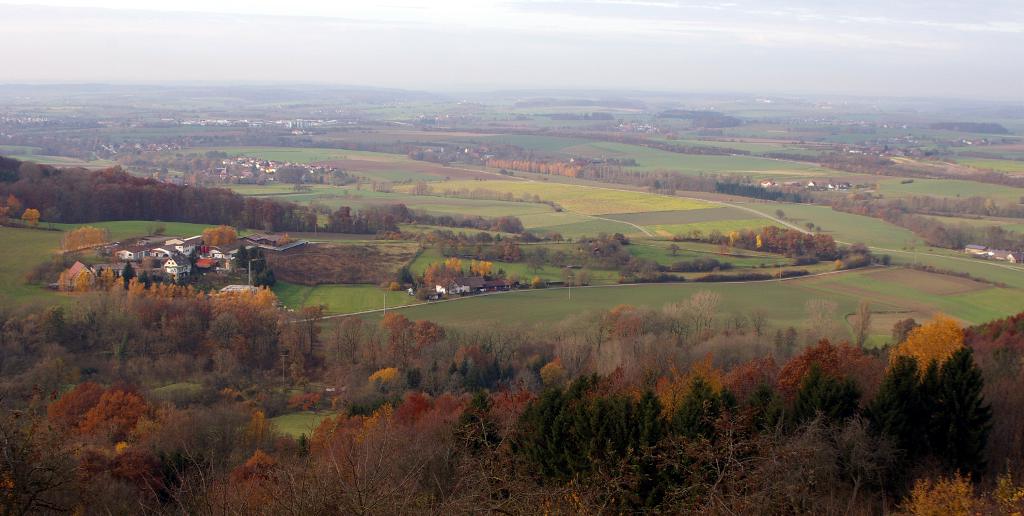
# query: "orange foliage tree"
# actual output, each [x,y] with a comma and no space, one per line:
[839,361]
[114,415]
[220,235]
[427,334]
[400,337]
[67,412]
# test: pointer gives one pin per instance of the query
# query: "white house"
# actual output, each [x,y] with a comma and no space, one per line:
[161,252]
[132,253]
[177,266]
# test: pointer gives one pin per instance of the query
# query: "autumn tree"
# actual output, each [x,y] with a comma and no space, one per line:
[68,411]
[427,334]
[400,337]
[220,235]
[932,342]
[114,415]
[480,268]
[31,217]
[83,237]
[952,496]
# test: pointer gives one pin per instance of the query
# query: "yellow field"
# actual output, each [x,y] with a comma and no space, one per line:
[581,199]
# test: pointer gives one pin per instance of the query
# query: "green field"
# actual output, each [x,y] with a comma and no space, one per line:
[529,307]
[23,249]
[298,423]
[515,270]
[123,229]
[659,251]
[999,165]
[649,160]
[340,298]
[784,303]
[949,188]
[586,200]
[844,227]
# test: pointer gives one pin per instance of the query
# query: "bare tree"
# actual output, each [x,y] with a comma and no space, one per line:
[862,322]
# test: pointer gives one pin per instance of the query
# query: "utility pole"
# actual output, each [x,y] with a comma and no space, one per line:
[250,268]
[385,302]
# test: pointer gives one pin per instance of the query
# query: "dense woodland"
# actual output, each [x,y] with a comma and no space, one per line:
[683,409]
[75,196]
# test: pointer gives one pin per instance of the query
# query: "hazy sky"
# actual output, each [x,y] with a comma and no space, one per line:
[969,49]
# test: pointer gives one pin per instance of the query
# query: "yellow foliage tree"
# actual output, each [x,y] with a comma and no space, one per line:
[536,282]
[453,264]
[220,235]
[552,373]
[85,236]
[31,217]
[672,390]
[760,243]
[384,375]
[481,267]
[937,341]
[946,497]
[84,281]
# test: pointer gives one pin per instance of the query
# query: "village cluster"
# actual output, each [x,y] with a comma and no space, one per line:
[243,168]
[168,259]
[809,185]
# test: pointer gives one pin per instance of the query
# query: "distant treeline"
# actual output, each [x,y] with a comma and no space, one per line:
[79,195]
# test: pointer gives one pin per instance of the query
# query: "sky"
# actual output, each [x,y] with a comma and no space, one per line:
[904,48]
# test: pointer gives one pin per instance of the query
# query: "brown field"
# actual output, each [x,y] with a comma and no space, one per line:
[935,284]
[319,264]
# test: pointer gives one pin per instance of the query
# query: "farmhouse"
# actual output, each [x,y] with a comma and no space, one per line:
[273,242]
[78,272]
[461,286]
[976,250]
[473,284]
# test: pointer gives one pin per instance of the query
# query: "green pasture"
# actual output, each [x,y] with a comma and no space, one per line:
[123,229]
[659,251]
[649,159]
[949,188]
[339,298]
[999,165]
[298,423]
[23,249]
[586,200]
[845,227]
